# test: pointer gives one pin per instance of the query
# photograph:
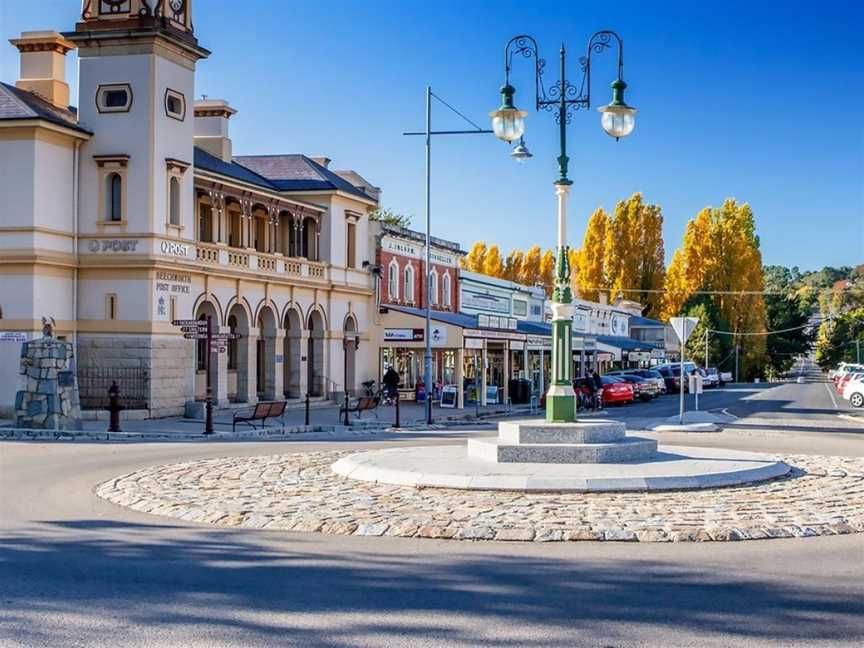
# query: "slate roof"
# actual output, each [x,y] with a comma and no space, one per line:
[296,172]
[207,162]
[16,103]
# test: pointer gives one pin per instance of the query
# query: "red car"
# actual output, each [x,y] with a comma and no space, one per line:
[616,390]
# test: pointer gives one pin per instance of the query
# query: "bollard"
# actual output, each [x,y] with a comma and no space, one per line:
[346,409]
[397,424]
[306,420]
[114,407]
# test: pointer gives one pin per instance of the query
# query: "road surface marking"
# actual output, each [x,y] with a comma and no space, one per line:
[833,400]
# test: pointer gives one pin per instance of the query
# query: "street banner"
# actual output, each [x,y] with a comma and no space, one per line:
[683,327]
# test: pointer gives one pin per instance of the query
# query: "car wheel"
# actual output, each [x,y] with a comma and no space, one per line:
[856,399]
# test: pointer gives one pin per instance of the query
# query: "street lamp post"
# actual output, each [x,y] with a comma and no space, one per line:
[508,123]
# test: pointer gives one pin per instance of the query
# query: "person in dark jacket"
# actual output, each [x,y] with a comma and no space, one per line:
[598,389]
[391,382]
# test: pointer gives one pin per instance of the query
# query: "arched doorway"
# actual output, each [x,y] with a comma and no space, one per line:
[315,354]
[265,355]
[238,356]
[291,354]
[204,309]
[349,346]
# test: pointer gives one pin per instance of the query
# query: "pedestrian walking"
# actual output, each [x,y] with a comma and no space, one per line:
[598,390]
[391,382]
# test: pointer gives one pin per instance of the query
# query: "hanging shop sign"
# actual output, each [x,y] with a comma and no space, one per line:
[473,343]
[438,335]
[538,342]
[403,335]
[517,345]
[13,336]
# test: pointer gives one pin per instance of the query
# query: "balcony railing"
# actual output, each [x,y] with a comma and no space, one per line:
[220,255]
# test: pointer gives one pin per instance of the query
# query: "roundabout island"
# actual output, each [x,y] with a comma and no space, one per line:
[488,489]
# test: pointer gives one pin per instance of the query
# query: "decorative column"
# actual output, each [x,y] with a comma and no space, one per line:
[561,399]
[460,378]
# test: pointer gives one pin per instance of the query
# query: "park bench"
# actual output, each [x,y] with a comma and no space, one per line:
[363,404]
[261,412]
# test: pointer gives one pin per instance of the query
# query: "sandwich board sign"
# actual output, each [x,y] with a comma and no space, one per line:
[683,327]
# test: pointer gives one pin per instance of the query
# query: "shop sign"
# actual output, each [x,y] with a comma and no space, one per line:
[493,335]
[112,245]
[517,345]
[619,326]
[485,301]
[171,248]
[403,335]
[169,284]
[491,394]
[473,343]
[13,336]
[537,342]
[580,320]
[638,356]
[448,396]
[658,353]
[438,335]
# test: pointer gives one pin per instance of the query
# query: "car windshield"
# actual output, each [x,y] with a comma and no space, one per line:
[610,380]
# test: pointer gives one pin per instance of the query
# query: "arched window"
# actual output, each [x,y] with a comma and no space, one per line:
[393,281]
[174,201]
[409,284]
[433,287]
[113,197]
[445,289]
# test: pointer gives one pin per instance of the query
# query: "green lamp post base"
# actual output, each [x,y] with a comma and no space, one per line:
[560,407]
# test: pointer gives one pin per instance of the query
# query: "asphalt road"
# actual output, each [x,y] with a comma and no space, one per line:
[77,571]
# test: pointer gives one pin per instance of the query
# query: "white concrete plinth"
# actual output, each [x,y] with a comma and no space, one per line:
[450,466]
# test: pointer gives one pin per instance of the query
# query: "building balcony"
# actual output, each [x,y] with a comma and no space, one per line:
[215,255]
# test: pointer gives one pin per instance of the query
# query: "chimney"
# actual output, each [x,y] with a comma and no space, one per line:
[43,65]
[323,160]
[211,127]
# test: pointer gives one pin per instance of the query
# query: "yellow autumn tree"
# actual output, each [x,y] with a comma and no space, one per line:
[492,264]
[590,272]
[547,271]
[652,262]
[513,265]
[473,261]
[530,274]
[622,253]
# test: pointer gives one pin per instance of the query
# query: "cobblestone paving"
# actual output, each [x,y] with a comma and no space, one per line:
[298,492]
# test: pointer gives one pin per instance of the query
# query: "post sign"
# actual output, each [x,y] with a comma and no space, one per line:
[683,327]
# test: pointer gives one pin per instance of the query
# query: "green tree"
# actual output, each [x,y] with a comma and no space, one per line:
[386,215]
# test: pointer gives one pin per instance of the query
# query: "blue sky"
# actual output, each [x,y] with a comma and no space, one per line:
[762,103]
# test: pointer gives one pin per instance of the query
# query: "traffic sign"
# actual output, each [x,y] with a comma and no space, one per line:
[194,329]
[216,337]
[189,322]
[683,327]
[195,336]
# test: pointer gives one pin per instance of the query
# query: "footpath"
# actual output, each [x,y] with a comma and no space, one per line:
[323,419]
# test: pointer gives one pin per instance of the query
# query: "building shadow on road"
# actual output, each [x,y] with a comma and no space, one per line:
[261,588]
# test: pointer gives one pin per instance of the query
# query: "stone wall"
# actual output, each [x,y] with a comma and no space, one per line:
[169,360]
[47,397]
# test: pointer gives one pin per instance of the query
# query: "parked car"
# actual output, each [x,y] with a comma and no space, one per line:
[650,374]
[670,377]
[843,380]
[616,390]
[643,388]
[675,369]
[712,377]
[854,392]
[844,369]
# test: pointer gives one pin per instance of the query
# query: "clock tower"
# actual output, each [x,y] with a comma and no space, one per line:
[136,94]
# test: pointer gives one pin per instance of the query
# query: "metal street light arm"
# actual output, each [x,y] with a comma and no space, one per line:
[526,46]
[599,42]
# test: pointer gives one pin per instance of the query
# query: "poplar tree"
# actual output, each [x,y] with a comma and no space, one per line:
[530,275]
[513,265]
[590,274]
[547,271]
[473,261]
[492,265]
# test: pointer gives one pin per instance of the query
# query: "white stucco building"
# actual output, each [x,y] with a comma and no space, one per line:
[133,211]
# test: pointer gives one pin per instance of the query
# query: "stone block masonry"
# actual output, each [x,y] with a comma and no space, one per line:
[47,396]
[168,359]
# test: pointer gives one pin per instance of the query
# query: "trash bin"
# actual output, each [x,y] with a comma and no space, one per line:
[520,391]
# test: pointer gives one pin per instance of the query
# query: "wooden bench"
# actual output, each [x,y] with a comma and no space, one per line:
[261,412]
[363,404]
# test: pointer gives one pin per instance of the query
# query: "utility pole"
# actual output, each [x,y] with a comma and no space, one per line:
[858,351]
[736,359]
[706,350]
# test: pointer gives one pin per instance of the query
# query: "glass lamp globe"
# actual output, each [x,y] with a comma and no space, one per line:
[508,122]
[520,152]
[618,119]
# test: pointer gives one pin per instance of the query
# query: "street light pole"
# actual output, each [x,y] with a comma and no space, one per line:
[427,132]
[508,122]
